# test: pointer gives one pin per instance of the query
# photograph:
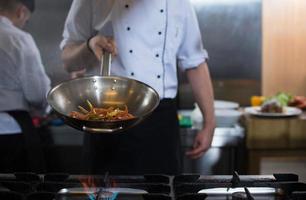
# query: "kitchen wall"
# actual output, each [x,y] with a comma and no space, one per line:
[231,31]
[46,26]
[284,46]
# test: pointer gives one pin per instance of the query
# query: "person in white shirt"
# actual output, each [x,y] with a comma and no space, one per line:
[149,39]
[23,87]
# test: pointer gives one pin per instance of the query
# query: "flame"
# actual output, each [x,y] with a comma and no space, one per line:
[88,183]
[92,187]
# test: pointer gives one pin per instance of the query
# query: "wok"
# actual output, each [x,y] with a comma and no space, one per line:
[103,91]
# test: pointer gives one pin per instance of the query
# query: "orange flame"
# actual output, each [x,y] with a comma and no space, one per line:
[88,183]
[91,186]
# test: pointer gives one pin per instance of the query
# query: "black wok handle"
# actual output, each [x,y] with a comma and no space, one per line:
[101,130]
[106,61]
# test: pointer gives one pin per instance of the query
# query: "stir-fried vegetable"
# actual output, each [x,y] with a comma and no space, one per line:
[101,114]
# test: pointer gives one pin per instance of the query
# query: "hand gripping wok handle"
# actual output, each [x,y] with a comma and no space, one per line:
[106,61]
[101,130]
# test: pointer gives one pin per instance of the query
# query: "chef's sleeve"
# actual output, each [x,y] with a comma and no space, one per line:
[78,25]
[191,52]
[31,73]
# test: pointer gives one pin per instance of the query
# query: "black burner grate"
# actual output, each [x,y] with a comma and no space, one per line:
[286,187]
[29,186]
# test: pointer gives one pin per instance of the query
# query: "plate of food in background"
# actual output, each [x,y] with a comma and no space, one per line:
[278,105]
[286,112]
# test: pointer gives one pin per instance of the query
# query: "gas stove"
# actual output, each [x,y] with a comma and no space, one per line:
[30,186]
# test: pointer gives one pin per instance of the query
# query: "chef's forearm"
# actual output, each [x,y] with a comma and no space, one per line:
[200,81]
[77,57]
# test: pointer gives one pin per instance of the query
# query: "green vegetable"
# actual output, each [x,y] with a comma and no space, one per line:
[89,105]
[83,110]
[282,97]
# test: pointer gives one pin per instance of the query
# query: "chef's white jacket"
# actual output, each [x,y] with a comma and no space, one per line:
[23,81]
[152,37]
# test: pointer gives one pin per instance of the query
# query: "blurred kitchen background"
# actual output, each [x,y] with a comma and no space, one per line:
[256,47]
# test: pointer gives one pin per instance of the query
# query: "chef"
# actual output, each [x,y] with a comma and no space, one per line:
[149,39]
[23,87]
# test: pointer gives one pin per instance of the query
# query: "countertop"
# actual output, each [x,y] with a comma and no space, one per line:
[272,133]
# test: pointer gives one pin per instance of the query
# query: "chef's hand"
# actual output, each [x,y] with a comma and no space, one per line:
[201,144]
[98,44]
